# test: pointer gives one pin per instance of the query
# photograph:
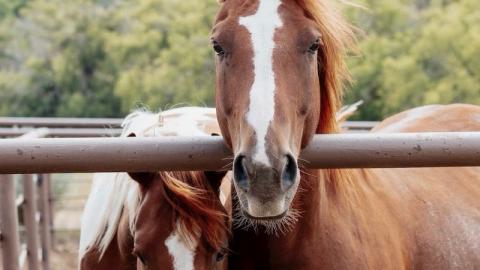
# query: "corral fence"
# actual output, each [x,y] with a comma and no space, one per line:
[35,203]
[35,158]
[100,127]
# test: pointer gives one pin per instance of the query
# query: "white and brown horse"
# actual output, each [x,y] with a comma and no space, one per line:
[163,220]
[280,68]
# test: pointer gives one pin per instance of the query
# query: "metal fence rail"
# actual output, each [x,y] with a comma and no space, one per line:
[9,224]
[109,122]
[60,122]
[15,255]
[54,155]
[64,132]
[102,127]
[210,153]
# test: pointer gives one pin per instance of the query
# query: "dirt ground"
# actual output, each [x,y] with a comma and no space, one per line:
[65,254]
[71,194]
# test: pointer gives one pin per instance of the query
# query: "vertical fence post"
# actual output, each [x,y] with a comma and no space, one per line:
[45,221]
[9,223]
[29,216]
[50,208]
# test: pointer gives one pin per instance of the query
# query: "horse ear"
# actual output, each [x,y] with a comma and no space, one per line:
[143,178]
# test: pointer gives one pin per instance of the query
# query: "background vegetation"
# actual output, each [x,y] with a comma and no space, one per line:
[104,57]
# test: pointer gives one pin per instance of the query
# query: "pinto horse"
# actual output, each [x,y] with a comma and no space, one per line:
[280,68]
[163,220]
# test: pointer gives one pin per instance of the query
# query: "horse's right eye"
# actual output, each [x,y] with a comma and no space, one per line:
[217,48]
[314,47]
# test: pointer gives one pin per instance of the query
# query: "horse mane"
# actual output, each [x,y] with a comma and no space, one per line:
[196,207]
[337,39]
[110,195]
[188,193]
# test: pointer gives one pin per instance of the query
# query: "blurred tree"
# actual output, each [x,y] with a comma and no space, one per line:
[104,57]
[426,52]
[162,50]
[101,58]
[11,7]
[58,56]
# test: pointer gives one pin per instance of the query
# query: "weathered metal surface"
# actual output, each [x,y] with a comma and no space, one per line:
[394,150]
[366,125]
[31,226]
[61,122]
[111,154]
[62,132]
[45,231]
[9,216]
[210,153]
[105,122]
[35,133]
[9,239]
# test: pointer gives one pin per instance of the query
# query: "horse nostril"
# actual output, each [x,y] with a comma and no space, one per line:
[289,171]
[240,172]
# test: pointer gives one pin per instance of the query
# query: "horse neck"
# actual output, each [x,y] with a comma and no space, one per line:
[346,222]
[342,215]
[327,197]
[334,222]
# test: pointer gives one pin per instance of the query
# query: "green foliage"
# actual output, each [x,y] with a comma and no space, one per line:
[57,53]
[10,7]
[102,58]
[163,52]
[105,57]
[414,53]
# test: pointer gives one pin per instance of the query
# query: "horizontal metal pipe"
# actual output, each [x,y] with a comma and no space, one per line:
[63,132]
[57,122]
[98,132]
[35,133]
[111,154]
[61,122]
[394,150]
[360,124]
[210,153]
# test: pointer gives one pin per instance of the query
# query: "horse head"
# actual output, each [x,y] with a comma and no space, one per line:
[279,69]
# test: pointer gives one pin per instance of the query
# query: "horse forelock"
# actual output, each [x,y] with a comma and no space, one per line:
[198,212]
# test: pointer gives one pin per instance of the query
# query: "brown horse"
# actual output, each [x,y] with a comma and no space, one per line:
[163,220]
[280,67]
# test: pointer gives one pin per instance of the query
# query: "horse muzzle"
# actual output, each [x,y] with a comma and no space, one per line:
[265,192]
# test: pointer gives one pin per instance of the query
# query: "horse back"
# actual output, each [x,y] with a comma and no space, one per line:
[438,208]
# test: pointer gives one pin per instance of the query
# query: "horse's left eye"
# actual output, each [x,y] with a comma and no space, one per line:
[314,47]
[220,256]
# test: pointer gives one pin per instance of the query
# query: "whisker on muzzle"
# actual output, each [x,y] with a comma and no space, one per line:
[275,227]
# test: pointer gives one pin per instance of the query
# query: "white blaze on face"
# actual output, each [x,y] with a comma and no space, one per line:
[182,254]
[262,26]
